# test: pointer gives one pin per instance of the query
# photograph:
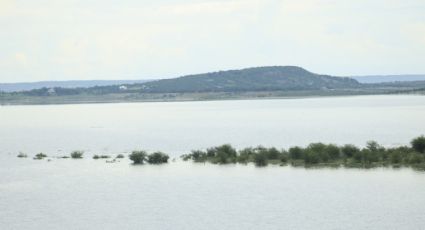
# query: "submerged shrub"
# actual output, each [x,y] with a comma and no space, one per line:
[40,156]
[138,157]
[418,144]
[245,155]
[296,152]
[22,155]
[415,158]
[157,158]
[349,150]
[198,156]
[396,157]
[101,157]
[260,159]
[77,154]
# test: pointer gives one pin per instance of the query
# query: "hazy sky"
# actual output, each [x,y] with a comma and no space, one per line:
[136,39]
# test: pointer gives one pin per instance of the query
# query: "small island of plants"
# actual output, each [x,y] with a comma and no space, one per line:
[314,155]
[318,154]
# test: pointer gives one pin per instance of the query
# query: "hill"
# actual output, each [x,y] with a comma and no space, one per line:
[389,78]
[251,79]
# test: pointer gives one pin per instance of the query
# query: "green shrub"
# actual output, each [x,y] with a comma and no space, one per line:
[101,157]
[40,156]
[349,150]
[77,154]
[272,153]
[138,157]
[157,158]
[260,159]
[415,158]
[120,156]
[418,144]
[396,157]
[22,155]
[296,153]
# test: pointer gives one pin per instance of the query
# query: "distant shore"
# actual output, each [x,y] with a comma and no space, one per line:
[10,99]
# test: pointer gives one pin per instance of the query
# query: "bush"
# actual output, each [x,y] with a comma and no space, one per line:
[40,156]
[372,146]
[138,157]
[296,153]
[396,157]
[22,155]
[260,159]
[418,144]
[157,158]
[311,157]
[119,156]
[77,154]
[349,150]
[101,157]
[333,151]
[198,156]
[245,155]
[415,158]
[272,153]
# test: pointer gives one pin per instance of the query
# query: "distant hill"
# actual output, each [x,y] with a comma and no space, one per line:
[389,78]
[26,86]
[251,79]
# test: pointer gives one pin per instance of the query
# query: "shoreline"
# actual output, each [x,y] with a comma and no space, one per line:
[186,98]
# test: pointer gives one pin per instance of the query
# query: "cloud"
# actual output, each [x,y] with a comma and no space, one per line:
[85,39]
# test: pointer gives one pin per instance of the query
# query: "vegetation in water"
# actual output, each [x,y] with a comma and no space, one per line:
[157,158]
[140,157]
[318,154]
[22,155]
[101,157]
[77,154]
[40,156]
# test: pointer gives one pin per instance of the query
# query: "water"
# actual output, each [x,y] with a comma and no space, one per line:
[179,127]
[89,194]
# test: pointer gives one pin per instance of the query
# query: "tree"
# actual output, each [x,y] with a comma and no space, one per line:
[349,150]
[138,157]
[418,144]
[77,154]
[260,159]
[296,152]
[157,158]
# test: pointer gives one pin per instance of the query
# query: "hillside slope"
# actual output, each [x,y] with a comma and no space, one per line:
[251,79]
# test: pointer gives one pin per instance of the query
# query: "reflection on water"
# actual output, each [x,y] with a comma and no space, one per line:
[87,194]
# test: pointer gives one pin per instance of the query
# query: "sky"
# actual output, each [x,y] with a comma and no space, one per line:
[136,39]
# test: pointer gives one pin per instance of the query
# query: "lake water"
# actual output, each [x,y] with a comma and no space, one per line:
[89,194]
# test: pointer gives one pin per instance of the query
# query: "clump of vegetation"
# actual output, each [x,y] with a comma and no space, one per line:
[77,154]
[419,144]
[138,157]
[119,156]
[101,157]
[157,158]
[40,156]
[22,155]
[318,154]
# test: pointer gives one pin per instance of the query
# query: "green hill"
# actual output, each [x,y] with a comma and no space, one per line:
[251,79]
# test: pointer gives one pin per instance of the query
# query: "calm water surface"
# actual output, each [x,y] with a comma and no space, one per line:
[181,126]
[89,194]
